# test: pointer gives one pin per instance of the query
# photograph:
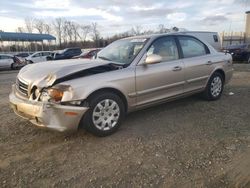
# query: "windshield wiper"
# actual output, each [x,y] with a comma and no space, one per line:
[104,58]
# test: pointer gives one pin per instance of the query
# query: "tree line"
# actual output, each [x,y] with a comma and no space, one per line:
[72,34]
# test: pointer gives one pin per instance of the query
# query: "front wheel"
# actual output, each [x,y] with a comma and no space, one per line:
[106,111]
[30,62]
[214,87]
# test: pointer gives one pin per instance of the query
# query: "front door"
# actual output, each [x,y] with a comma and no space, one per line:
[155,82]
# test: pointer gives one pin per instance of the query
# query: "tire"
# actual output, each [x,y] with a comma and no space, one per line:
[48,58]
[13,67]
[214,87]
[105,114]
[30,62]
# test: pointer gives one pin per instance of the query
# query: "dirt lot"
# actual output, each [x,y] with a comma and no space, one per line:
[186,143]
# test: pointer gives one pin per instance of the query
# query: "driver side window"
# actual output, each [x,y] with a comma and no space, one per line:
[166,48]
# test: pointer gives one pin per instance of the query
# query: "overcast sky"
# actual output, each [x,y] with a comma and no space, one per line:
[114,16]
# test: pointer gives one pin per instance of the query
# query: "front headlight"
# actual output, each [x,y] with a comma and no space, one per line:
[51,95]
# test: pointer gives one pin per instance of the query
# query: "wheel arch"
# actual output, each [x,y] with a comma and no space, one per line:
[218,70]
[221,72]
[112,90]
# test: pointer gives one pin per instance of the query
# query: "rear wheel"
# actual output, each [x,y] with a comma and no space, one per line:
[105,114]
[13,66]
[214,87]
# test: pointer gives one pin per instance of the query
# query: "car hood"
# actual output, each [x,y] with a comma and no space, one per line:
[44,74]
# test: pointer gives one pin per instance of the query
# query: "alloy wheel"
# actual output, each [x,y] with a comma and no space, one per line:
[216,86]
[106,114]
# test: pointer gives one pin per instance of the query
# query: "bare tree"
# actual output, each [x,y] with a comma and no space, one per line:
[29,24]
[75,28]
[20,30]
[95,33]
[65,31]
[163,29]
[69,30]
[47,28]
[137,30]
[58,27]
[84,31]
[39,25]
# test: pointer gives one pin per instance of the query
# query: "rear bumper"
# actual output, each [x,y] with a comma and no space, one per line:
[47,115]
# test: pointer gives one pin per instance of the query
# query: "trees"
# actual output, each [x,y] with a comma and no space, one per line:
[48,28]
[29,24]
[83,33]
[71,30]
[95,33]
[20,30]
[39,25]
[58,28]
[70,33]
[75,30]
[163,29]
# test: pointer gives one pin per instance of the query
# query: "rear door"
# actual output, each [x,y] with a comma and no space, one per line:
[44,56]
[198,62]
[37,57]
[155,82]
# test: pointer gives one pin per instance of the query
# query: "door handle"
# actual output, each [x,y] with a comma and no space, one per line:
[177,68]
[209,63]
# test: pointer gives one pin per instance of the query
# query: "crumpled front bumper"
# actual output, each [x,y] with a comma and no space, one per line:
[48,115]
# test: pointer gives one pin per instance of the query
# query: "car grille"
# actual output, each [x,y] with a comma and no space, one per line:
[22,87]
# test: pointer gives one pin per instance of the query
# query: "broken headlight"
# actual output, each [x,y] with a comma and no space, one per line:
[51,95]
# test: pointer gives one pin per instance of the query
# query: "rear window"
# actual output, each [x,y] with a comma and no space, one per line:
[46,53]
[192,47]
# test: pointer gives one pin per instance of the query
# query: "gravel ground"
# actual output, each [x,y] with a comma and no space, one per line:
[186,143]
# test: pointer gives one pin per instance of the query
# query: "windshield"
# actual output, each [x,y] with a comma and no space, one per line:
[122,51]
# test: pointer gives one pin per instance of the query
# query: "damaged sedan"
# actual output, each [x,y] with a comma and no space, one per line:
[129,74]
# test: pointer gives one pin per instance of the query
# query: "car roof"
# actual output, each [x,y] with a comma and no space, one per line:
[72,48]
[40,52]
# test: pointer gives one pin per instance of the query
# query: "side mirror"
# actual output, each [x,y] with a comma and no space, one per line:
[153,58]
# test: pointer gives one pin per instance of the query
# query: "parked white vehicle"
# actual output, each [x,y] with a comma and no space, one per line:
[6,61]
[211,38]
[38,57]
